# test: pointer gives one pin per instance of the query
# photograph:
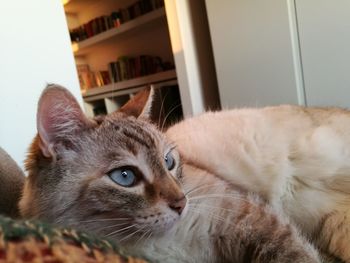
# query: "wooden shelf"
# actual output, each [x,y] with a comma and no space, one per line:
[127,86]
[81,47]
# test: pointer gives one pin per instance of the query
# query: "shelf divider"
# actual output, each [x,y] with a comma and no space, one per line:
[127,86]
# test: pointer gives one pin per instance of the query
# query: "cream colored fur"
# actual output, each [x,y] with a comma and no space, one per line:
[296,158]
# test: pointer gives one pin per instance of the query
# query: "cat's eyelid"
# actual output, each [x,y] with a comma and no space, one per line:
[117,164]
[171,148]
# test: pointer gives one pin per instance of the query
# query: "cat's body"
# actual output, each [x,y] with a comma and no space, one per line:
[296,158]
[120,177]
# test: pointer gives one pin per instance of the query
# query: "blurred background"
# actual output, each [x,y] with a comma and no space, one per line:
[197,54]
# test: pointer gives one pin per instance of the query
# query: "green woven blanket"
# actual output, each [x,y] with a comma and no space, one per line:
[30,241]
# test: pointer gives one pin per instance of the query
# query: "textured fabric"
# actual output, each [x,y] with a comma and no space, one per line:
[28,241]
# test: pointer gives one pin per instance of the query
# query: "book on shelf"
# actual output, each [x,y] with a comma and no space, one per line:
[89,79]
[115,19]
[102,78]
[86,77]
[133,67]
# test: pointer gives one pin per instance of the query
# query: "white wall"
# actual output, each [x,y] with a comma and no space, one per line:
[34,50]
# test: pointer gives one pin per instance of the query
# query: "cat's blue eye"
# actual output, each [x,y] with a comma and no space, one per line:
[169,161]
[123,176]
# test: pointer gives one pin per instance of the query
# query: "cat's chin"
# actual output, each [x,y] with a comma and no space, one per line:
[170,226]
[164,225]
[165,229]
[153,232]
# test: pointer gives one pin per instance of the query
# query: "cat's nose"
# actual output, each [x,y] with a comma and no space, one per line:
[178,205]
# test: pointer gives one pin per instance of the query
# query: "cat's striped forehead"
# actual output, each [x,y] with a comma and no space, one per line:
[132,131]
[131,142]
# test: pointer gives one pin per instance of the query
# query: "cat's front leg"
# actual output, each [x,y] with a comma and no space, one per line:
[266,250]
[282,247]
[261,236]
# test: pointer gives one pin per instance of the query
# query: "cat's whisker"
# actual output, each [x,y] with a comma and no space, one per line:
[149,236]
[102,220]
[193,209]
[143,235]
[168,114]
[233,196]
[212,207]
[132,234]
[120,230]
[115,225]
[197,188]
[65,206]
[61,211]
[161,107]
[211,214]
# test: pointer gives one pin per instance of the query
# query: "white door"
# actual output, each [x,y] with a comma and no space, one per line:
[324,31]
[256,52]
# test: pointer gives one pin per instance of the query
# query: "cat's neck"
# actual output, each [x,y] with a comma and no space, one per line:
[222,222]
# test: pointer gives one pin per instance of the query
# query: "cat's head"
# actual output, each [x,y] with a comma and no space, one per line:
[116,175]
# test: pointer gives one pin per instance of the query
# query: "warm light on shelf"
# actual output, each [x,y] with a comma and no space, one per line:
[75,47]
[64,2]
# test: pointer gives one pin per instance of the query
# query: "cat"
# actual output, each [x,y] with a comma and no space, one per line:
[294,157]
[119,177]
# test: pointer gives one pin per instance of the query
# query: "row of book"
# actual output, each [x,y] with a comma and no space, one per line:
[139,8]
[124,68]
[132,67]
[115,19]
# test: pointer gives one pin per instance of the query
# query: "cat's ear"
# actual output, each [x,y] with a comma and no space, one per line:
[59,117]
[140,105]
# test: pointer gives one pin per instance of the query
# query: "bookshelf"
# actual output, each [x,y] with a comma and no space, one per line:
[136,24]
[145,35]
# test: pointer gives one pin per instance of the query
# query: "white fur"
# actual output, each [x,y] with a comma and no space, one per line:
[210,213]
